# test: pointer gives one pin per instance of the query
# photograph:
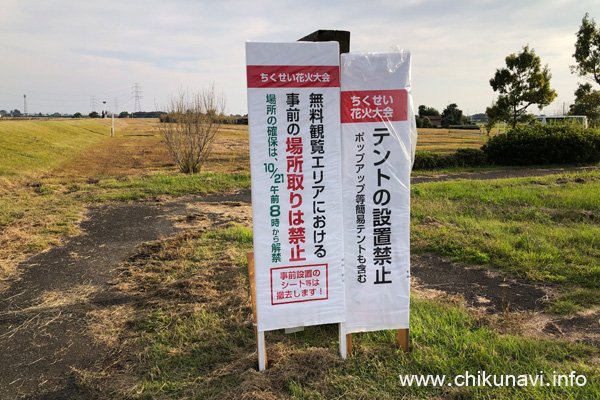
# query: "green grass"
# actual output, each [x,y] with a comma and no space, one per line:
[539,229]
[28,147]
[136,188]
[204,347]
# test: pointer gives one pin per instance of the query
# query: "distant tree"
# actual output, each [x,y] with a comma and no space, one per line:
[521,84]
[428,111]
[427,123]
[587,102]
[4,113]
[452,115]
[15,113]
[587,50]
[94,114]
[123,114]
[77,115]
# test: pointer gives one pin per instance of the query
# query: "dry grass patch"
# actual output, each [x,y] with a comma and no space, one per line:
[444,141]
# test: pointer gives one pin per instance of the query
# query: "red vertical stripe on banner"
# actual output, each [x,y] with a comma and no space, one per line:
[281,76]
[374,106]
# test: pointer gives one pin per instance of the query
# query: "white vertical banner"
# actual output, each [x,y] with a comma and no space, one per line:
[295,157]
[376,112]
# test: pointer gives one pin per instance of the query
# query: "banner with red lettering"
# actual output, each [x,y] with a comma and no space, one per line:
[377,151]
[295,157]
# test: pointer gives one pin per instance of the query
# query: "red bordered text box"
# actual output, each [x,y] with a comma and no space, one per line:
[293,286]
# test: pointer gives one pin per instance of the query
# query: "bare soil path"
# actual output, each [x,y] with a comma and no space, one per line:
[44,333]
[43,326]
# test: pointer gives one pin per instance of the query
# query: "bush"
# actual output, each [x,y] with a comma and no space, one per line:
[426,160]
[538,145]
[470,158]
[189,127]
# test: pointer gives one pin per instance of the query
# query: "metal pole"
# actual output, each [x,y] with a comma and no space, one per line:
[112,127]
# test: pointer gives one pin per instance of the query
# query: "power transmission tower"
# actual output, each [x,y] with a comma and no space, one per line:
[137,94]
[24,104]
[93,103]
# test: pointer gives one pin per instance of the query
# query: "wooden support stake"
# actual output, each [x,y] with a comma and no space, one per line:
[260,335]
[403,336]
[349,343]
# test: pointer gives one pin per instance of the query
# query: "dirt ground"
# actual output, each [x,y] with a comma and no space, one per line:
[47,317]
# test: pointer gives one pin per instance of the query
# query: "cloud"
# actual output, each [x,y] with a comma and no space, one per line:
[85,48]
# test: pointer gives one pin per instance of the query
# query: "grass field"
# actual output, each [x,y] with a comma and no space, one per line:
[193,336]
[204,347]
[51,169]
[544,229]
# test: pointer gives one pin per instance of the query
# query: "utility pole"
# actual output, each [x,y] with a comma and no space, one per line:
[116,104]
[25,104]
[137,93]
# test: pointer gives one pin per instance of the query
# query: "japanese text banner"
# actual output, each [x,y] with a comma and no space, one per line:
[295,157]
[376,163]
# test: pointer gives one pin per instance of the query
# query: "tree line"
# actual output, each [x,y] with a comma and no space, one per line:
[525,82]
[451,115]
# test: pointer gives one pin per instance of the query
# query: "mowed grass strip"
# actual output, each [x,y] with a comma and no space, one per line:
[543,229]
[196,340]
[137,188]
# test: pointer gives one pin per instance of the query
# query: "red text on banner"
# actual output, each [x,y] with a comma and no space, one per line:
[296,76]
[374,106]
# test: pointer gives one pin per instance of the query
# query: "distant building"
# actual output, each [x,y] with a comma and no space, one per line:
[481,117]
[436,120]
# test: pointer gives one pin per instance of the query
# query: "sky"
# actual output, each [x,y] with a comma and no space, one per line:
[65,55]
